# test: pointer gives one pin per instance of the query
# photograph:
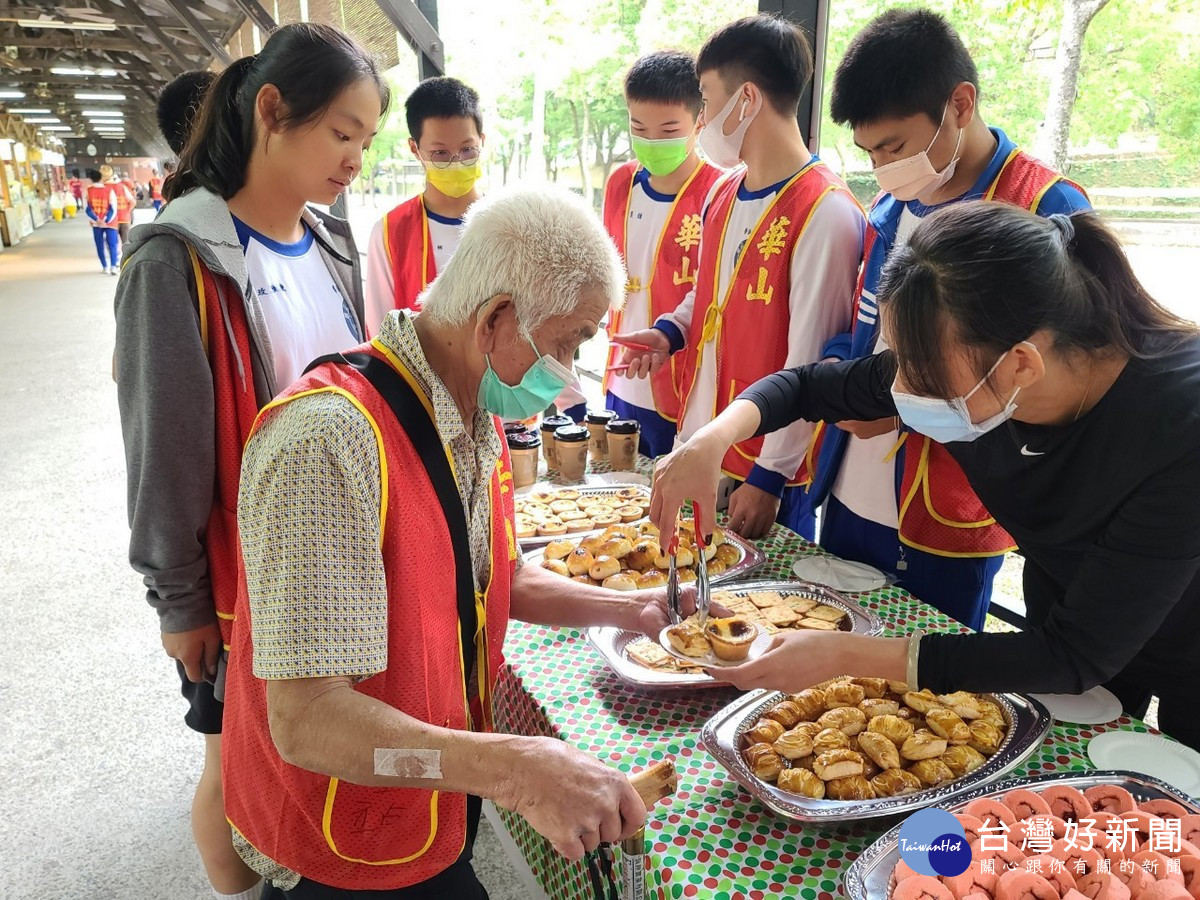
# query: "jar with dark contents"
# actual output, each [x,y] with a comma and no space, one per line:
[549,425]
[597,421]
[523,449]
[571,448]
[623,435]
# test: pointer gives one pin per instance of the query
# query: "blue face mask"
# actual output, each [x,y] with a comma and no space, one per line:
[538,387]
[949,420]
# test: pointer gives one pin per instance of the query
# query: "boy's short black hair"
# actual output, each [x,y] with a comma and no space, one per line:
[904,62]
[441,98]
[74,173]
[179,103]
[665,76]
[94,174]
[769,51]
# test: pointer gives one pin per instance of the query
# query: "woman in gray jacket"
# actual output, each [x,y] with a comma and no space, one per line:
[224,300]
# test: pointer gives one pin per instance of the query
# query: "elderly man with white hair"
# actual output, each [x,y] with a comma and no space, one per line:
[380,571]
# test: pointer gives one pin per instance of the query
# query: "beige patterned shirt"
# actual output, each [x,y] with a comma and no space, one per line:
[308,517]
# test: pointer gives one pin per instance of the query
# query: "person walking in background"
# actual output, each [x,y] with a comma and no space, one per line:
[101,210]
[76,186]
[156,186]
[125,200]
[233,289]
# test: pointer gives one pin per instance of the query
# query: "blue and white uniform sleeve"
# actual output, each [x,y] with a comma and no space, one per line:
[1062,198]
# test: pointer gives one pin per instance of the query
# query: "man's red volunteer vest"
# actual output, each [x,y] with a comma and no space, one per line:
[124,202]
[236,406]
[409,251]
[347,835]
[156,184]
[675,263]
[97,200]
[939,511]
[750,323]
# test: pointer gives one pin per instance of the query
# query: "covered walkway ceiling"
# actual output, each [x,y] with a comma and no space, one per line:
[53,52]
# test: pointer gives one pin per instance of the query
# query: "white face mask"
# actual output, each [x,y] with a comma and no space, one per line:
[914,177]
[949,420]
[721,149]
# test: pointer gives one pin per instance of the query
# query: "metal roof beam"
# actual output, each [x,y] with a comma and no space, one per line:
[165,42]
[198,30]
[420,34]
[255,13]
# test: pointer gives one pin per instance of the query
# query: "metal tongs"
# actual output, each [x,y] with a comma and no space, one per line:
[673,606]
[703,591]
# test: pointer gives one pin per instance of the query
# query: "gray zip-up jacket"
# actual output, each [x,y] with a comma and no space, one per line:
[165,387]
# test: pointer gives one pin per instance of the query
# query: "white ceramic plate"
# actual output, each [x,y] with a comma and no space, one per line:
[757,648]
[1150,754]
[839,574]
[1094,707]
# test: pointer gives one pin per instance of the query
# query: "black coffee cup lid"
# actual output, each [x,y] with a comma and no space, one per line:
[552,422]
[525,440]
[623,426]
[571,433]
[600,416]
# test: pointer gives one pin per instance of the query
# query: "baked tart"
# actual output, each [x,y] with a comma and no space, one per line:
[689,640]
[731,638]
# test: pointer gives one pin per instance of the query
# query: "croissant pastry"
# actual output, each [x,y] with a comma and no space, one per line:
[766,731]
[931,772]
[838,764]
[830,739]
[921,701]
[946,723]
[896,783]
[853,788]
[879,707]
[985,737]
[847,719]
[923,745]
[811,703]
[802,782]
[880,749]
[965,704]
[764,762]
[794,745]
[786,713]
[844,693]
[962,760]
[874,688]
[893,728]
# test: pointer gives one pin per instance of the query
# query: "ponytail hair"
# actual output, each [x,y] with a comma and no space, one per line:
[988,275]
[309,63]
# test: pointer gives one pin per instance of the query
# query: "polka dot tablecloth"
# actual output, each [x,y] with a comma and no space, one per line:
[711,840]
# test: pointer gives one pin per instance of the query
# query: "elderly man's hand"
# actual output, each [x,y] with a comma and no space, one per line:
[654,616]
[643,360]
[570,798]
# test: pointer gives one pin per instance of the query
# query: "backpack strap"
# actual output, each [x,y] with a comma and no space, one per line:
[414,418]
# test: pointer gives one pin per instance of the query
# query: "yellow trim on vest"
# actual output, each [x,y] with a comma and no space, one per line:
[327,830]
[201,297]
[424,245]
[891,454]
[225,615]
[1037,199]
[921,481]
[387,252]
[383,465]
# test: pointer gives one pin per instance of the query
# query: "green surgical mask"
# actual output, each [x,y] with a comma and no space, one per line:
[660,157]
[538,388]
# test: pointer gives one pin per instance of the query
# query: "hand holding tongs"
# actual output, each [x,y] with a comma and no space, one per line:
[673,606]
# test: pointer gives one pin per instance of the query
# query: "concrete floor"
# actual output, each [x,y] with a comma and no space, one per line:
[101,768]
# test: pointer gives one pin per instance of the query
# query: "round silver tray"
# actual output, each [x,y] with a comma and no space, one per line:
[1029,723]
[611,642]
[597,490]
[869,876]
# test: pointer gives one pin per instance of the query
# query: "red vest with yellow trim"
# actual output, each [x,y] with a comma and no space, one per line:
[334,832]
[939,511]
[97,200]
[235,404]
[124,202]
[156,185]
[750,323]
[409,252]
[675,263]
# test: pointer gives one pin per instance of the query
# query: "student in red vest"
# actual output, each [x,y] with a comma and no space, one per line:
[381,568]
[101,210]
[125,201]
[233,289]
[909,89]
[652,209]
[416,239]
[76,185]
[156,186]
[782,238]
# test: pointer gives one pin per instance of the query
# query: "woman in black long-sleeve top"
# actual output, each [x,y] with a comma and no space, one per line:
[1074,411]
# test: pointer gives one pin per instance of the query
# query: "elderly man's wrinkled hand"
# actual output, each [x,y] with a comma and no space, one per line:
[655,617]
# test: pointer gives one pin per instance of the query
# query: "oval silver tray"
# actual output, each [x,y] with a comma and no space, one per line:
[1029,723]
[751,559]
[597,490]
[611,642]
[869,876]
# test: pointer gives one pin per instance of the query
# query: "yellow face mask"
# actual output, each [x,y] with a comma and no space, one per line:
[457,179]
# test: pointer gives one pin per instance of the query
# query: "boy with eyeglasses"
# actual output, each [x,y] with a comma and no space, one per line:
[417,238]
